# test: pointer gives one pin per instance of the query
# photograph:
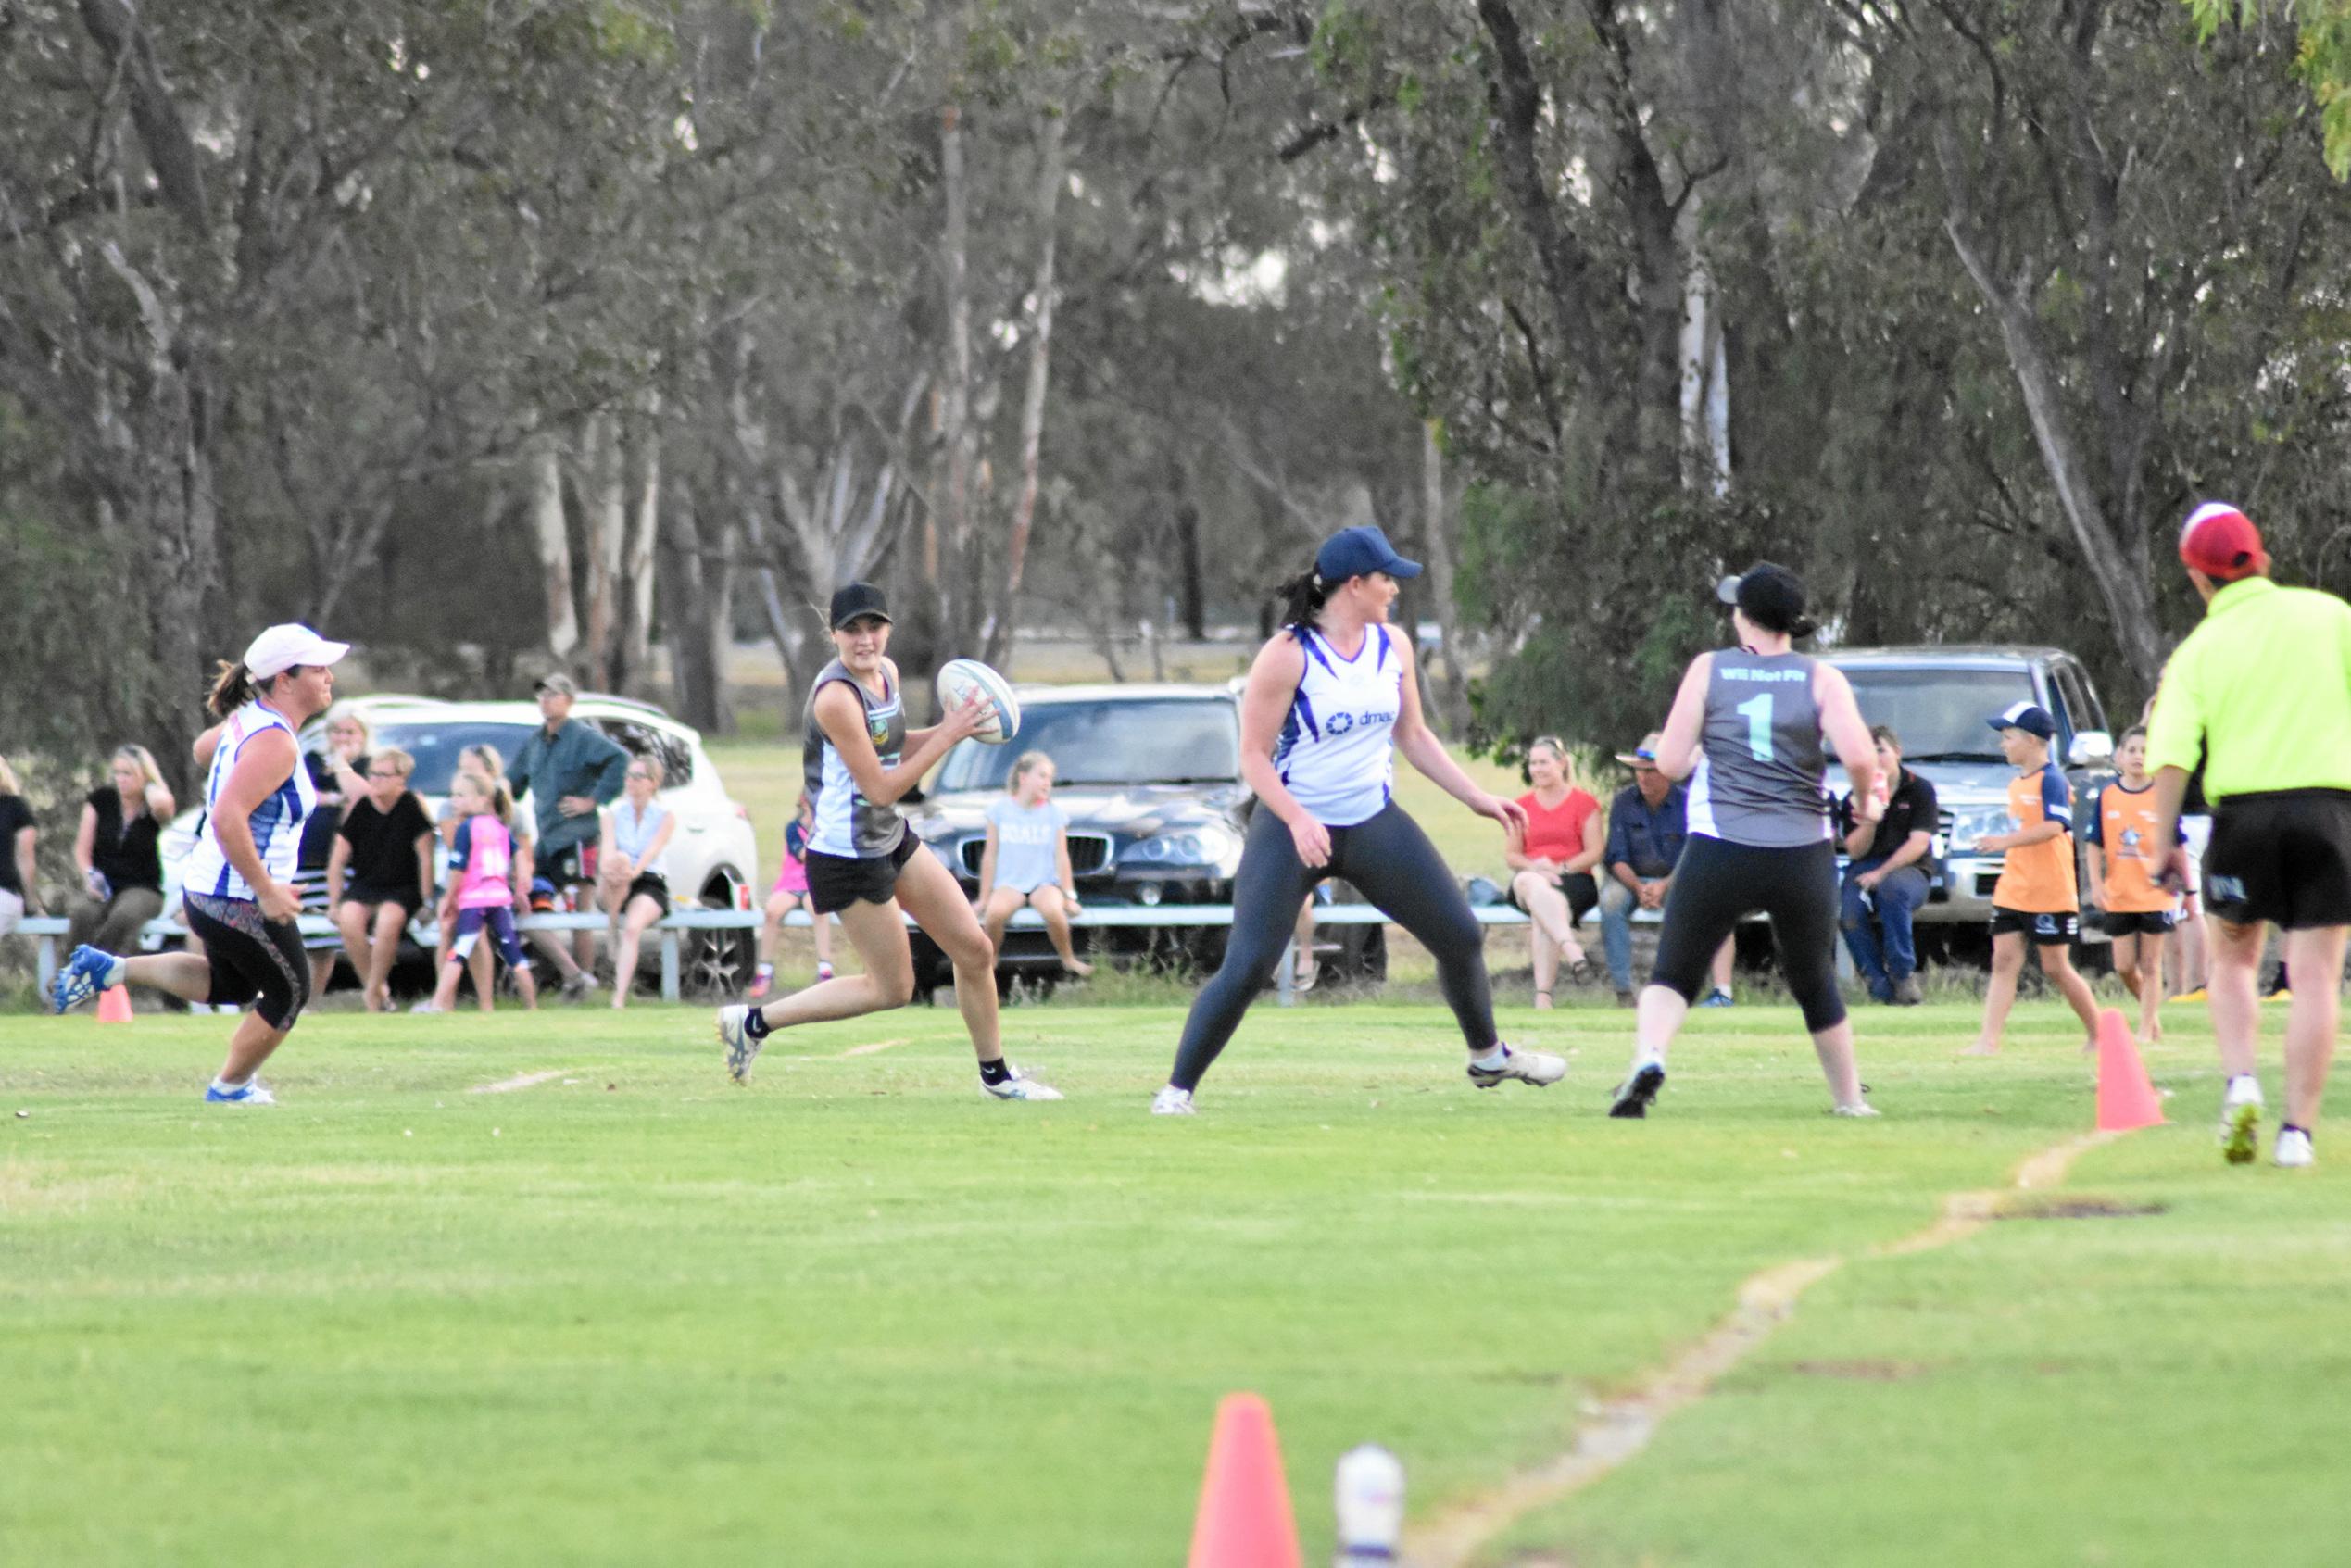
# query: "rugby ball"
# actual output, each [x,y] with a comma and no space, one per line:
[959,679]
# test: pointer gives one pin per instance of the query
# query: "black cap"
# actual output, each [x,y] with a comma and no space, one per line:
[854,599]
[1772,596]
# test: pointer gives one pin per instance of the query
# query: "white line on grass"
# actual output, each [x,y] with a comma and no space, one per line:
[519,1081]
[1621,1427]
[868,1050]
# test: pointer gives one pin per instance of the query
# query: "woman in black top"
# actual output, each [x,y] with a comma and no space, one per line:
[339,775]
[380,871]
[114,850]
[19,886]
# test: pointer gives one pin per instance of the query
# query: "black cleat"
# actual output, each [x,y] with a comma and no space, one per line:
[1635,1096]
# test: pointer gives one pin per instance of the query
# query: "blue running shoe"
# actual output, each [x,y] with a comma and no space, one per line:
[253,1091]
[1718,998]
[85,975]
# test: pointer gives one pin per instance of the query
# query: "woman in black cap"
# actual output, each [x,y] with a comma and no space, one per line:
[1747,731]
[1327,704]
[863,864]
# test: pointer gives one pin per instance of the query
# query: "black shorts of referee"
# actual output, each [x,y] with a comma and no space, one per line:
[2285,858]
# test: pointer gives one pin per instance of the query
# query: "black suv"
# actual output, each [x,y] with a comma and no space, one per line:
[1150,778]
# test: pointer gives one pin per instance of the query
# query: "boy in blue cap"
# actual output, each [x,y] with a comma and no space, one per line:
[2038,894]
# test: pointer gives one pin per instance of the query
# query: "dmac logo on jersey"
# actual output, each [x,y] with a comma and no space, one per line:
[1339,723]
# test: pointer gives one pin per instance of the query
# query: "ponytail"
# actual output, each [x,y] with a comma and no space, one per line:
[231,690]
[1302,597]
[502,801]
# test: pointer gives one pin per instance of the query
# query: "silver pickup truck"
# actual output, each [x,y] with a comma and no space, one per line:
[1939,700]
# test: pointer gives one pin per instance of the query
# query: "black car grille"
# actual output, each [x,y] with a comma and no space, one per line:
[1089,854]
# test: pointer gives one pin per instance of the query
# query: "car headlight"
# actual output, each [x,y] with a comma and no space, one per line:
[1974,823]
[1207,845]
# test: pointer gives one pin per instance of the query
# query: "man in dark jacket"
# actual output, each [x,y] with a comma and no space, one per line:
[569,769]
[1889,876]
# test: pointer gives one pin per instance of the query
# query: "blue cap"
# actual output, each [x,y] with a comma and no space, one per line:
[2029,717]
[1357,552]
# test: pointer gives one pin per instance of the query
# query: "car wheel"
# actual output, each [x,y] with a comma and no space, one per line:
[716,964]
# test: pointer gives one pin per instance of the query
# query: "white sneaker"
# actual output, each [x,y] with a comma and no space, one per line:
[253,1091]
[1014,1086]
[1538,1068]
[741,1050]
[2294,1148]
[1859,1107]
[1173,1102]
[2241,1120]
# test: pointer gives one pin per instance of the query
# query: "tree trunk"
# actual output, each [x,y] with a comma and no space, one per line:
[604,510]
[637,645]
[1450,681]
[555,548]
[1049,194]
[952,597]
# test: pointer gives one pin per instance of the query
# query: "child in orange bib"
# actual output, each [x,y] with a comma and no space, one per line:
[2124,860]
[2036,895]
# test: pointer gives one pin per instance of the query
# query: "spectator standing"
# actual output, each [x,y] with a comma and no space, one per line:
[1026,861]
[569,769]
[1648,825]
[1888,876]
[19,836]
[485,763]
[2262,690]
[380,871]
[2037,895]
[1552,872]
[480,896]
[789,893]
[632,873]
[338,776]
[115,849]
[2124,862]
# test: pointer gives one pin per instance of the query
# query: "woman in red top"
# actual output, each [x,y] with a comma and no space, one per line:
[1551,875]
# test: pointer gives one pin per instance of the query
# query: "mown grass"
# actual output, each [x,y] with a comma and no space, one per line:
[860,1314]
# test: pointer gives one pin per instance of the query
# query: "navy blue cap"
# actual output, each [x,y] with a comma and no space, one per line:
[1358,552]
[2029,717]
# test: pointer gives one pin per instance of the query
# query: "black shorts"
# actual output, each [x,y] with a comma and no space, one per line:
[409,897]
[649,886]
[2138,922]
[834,881]
[1718,884]
[571,866]
[2045,929]
[1580,888]
[253,960]
[2282,858]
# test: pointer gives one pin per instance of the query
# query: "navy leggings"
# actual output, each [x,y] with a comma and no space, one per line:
[1391,861]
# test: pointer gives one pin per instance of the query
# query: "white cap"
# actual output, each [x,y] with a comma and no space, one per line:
[282,647]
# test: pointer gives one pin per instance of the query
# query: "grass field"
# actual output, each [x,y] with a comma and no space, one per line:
[859,1315]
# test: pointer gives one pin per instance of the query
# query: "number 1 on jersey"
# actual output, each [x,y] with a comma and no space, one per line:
[1758,714]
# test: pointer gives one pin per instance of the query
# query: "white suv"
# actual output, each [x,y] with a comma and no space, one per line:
[712,855]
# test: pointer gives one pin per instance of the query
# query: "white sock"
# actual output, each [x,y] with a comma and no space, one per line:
[228,1088]
[2244,1088]
[1493,1056]
[115,972]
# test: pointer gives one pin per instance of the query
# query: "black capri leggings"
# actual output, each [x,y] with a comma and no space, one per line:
[1720,883]
[253,960]
[1392,861]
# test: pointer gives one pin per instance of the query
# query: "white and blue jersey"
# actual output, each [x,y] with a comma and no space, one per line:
[276,823]
[1336,755]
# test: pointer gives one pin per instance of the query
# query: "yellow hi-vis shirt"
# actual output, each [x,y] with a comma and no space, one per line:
[2262,691]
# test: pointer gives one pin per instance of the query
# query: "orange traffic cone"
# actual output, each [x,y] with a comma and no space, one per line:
[1244,1519]
[114,1005]
[2126,1099]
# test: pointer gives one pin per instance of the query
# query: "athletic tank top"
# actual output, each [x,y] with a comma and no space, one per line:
[847,823]
[1334,754]
[277,821]
[1761,766]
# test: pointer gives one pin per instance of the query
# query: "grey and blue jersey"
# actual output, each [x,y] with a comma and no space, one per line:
[1762,768]
[847,823]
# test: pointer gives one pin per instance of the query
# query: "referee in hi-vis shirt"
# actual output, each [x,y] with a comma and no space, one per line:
[2262,690]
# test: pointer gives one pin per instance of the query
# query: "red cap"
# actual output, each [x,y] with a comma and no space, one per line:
[2222,542]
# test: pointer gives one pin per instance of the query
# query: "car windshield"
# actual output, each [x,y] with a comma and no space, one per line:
[1113,742]
[435,747]
[1940,715]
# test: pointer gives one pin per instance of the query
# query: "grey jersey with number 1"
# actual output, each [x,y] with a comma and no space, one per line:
[847,823]
[1760,774]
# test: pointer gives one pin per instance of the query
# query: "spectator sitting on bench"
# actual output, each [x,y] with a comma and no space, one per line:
[1889,877]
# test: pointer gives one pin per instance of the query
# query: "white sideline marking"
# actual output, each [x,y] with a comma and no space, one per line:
[1621,1427]
[868,1050]
[519,1081]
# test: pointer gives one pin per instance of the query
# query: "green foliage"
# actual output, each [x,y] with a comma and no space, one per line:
[2322,59]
